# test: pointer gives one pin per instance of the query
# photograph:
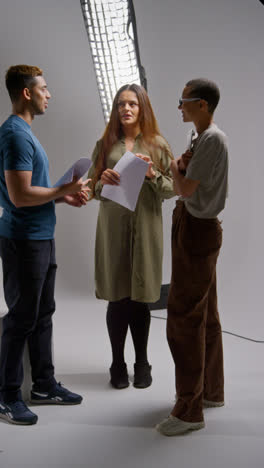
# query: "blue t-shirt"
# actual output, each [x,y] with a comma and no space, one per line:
[20,150]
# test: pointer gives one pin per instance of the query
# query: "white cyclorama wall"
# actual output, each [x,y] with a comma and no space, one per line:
[179,40]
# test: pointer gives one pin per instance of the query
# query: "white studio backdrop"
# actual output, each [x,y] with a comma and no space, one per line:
[179,40]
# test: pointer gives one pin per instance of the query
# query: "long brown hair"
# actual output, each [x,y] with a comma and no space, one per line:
[113,132]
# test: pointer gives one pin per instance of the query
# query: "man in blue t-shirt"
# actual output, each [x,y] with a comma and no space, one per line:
[28,251]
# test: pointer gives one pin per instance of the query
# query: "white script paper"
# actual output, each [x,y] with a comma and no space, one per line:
[77,170]
[190,138]
[132,172]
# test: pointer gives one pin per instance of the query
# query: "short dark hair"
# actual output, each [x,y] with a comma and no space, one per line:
[19,77]
[205,89]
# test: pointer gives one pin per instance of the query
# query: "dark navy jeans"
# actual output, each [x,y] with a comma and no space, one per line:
[29,270]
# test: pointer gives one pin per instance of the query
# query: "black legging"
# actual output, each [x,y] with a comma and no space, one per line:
[136,315]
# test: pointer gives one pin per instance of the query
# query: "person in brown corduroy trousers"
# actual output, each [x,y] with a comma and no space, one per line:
[193,326]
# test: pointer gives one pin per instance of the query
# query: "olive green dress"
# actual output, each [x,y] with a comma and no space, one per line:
[129,245]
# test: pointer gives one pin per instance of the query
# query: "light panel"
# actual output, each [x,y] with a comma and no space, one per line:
[111,29]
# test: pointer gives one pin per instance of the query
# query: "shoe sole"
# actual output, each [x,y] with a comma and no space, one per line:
[118,388]
[18,423]
[183,432]
[142,387]
[54,402]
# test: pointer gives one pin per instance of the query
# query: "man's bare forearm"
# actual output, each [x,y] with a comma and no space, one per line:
[22,193]
[178,178]
[35,196]
[182,185]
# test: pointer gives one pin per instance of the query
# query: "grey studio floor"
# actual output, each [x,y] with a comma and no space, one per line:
[116,428]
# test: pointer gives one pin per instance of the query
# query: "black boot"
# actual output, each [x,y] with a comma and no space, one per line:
[119,376]
[142,377]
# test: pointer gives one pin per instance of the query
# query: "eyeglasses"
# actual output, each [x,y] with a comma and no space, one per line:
[182,100]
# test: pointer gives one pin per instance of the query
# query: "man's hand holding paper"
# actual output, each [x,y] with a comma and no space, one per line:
[77,189]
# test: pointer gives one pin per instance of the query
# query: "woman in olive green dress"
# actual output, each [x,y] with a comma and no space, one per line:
[129,245]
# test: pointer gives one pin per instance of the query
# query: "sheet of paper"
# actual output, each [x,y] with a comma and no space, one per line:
[190,137]
[78,169]
[132,172]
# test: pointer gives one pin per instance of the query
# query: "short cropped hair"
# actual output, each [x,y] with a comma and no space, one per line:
[205,89]
[19,77]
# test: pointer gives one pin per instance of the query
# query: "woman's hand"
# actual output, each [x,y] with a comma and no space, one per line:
[110,177]
[150,172]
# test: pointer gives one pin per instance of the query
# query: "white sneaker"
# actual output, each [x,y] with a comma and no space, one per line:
[213,404]
[173,426]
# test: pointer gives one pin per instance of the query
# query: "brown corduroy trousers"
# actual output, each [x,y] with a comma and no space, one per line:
[193,326]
